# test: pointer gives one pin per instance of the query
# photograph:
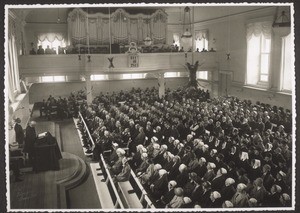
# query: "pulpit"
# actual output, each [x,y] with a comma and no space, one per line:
[46,153]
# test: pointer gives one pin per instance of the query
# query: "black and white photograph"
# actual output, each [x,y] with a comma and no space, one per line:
[185,107]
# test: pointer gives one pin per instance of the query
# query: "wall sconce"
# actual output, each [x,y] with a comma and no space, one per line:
[89,58]
[79,57]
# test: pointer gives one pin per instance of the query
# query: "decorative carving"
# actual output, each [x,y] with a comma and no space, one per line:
[193,70]
[111,65]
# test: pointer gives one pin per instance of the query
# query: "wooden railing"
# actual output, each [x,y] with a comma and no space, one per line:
[87,129]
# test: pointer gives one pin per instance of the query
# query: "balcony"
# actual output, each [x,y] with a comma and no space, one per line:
[68,64]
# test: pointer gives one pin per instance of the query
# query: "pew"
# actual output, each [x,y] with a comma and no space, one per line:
[107,179]
[107,200]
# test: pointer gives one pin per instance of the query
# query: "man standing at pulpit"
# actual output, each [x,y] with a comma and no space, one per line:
[30,138]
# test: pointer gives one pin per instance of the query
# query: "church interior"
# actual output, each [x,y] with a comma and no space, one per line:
[150,107]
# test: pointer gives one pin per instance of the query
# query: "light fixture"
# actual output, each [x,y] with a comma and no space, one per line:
[282,23]
[148,40]
[58,18]
[228,57]
[186,38]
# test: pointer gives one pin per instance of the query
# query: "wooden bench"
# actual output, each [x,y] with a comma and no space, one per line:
[140,191]
[102,189]
[110,184]
[131,199]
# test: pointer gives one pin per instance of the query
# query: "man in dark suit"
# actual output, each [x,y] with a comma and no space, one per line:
[197,191]
[19,132]
[30,139]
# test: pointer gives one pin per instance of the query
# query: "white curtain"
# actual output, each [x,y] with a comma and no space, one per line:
[13,69]
[201,34]
[50,37]
[287,63]
[253,53]
[201,40]
[254,32]
[258,28]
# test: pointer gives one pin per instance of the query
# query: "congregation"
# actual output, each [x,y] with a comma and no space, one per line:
[189,150]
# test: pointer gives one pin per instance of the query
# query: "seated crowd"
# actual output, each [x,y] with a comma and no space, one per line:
[191,151]
[62,107]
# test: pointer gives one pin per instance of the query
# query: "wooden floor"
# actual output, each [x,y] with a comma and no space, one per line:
[43,190]
[39,190]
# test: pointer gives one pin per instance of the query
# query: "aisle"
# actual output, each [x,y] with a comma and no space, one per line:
[85,195]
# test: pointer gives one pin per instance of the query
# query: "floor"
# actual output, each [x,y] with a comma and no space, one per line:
[37,188]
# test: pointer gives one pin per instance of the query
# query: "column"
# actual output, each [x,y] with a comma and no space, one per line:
[88,85]
[161,84]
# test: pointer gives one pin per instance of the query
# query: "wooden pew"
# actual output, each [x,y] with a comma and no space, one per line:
[131,199]
[117,202]
[142,194]
[104,195]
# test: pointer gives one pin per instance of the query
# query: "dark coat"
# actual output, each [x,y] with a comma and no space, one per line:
[182,179]
[19,133]
[30,139]
[168,196]
[160,186]
[196,194]
[227,192]
[205,199]
[218,183]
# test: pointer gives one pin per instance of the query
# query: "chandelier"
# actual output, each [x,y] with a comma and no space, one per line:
[186,38]
[282,24]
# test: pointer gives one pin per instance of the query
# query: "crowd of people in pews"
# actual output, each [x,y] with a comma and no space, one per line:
[62,107]
[192,151]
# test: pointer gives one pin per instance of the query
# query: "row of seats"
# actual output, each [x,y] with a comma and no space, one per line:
[127,194]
